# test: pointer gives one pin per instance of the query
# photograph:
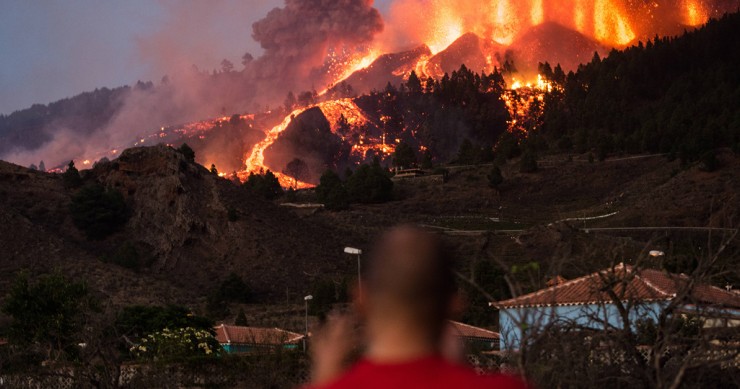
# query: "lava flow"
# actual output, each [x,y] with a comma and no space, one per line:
[333,110]
[613,23]
[256,158]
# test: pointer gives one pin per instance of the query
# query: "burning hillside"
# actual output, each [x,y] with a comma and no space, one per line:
[497,36]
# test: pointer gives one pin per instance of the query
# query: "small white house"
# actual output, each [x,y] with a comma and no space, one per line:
[590,301]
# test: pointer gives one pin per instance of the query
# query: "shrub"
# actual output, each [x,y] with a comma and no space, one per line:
[331,191]
[370,184]
[71,177]
[141,320]
[264,185]
[177,343]
[49,312]
[495,178]
[98,212]
[232,290]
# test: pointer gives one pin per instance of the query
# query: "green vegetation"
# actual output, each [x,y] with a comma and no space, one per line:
[177,344]
[47,314]
[460,105]
[266,185]
[140,320]
[367,184]
[404,157]
[98,212]
[495,179]
[241,318]
[669,95]
[327,292]
[488,282]
[297,169]
[231,290]
[470,154]
[71,176]
[331,191]
[30,128]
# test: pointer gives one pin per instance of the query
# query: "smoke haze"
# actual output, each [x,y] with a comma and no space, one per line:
[292,43]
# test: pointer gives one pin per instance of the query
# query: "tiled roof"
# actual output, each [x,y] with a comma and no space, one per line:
[254,335]
[468,331]
[627,284]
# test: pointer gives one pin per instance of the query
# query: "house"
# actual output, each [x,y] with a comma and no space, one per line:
[238,339]
[591,302]
[476,338]
[408,173]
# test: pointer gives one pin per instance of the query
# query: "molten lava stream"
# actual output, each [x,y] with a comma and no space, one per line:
[255,162]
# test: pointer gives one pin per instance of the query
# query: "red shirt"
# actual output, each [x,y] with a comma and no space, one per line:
[431,372]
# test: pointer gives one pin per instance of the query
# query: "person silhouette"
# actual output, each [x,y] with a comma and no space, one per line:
[407,296]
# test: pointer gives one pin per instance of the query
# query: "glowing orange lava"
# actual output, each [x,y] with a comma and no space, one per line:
[256,158]
[613,23]
[333,110]
[694,13]
[610,25]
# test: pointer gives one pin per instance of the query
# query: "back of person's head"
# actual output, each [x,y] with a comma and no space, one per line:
[410,276]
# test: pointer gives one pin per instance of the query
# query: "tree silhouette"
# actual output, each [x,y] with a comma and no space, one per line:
[71,177]
[297,169]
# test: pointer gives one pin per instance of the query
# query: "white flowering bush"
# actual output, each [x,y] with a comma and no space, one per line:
[176,343]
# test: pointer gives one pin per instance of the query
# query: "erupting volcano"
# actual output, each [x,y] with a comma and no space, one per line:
[487,36]
[430,38]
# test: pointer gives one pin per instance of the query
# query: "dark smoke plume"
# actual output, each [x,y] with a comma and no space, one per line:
[295,38]
[298,37]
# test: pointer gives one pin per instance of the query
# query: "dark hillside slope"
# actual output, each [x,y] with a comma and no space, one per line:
[179,224]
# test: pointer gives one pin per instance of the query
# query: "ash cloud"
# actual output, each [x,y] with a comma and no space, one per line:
[297,38]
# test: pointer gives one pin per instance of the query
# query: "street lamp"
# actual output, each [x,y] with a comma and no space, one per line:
[305,339]
[656,253]
[358,252]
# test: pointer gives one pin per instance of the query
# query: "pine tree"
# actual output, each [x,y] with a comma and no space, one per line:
[71,177]
[495,178]
[404,156]
[414,84]
[241,319]
[331,191]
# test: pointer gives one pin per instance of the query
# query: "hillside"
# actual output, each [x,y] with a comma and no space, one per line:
[179,225]
[532,217]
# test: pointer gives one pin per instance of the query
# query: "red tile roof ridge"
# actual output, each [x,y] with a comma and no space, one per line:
[555,287]
[236,334]
[656,285]
[653,286]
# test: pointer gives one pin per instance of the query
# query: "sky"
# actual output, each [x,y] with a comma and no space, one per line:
[53,49]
